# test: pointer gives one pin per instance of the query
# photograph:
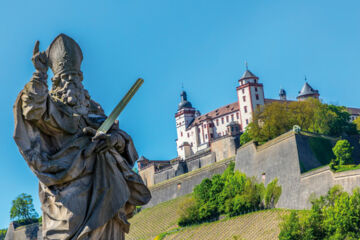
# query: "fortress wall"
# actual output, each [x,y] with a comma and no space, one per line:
[201,161]
[28,232]
[147,175]
[185,183]
[280,158]
[164,175]
[277,158]
[224,147]
[319,181]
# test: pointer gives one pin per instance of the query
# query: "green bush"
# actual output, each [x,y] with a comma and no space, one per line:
[343,151]
[272,194]
[2,234]
[334,216]
[231,193]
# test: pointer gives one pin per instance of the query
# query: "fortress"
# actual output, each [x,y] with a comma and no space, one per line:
[214,136]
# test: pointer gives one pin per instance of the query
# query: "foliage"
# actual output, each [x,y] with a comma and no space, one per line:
[357,123]
[2,234]
[23,209]
[245,137]
[231,193]
[343,151]
[291,228]
[272,193]
[348,167]
[311,115]
[334,216]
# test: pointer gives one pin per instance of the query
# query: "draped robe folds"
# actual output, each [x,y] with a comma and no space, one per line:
[83,195]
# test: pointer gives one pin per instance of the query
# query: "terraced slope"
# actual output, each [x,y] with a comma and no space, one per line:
[151,222]
[263,225]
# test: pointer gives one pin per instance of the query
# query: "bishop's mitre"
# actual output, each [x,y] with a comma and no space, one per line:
[64,55]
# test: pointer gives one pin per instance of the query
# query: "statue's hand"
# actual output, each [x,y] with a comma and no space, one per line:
[106,141]
[39,59]
[103,142]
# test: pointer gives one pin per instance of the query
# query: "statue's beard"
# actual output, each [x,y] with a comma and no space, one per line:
[75,97]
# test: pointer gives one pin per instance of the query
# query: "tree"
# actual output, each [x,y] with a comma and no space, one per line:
[334,216]
[23,208]
[272,193]
[245,137]
[311,115]
[291,228]
[343,151]
[2,234]
[357,123]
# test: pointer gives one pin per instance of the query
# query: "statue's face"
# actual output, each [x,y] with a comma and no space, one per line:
[71,83]
[69,89]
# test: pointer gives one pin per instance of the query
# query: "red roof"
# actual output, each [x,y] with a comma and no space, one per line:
[354,111]
[232,107]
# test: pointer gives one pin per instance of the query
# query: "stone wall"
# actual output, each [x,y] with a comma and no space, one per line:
[319,181]
[147,175]
[281,158]
[28,232]
[184,183]
[225,147]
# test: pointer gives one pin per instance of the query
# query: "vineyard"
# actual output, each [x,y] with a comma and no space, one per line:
[160,222]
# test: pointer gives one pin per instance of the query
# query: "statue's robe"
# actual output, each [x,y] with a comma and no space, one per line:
[84,195]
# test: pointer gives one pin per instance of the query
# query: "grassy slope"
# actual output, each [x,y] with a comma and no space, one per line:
[163,218]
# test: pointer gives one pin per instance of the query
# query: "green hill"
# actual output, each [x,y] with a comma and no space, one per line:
[162,219]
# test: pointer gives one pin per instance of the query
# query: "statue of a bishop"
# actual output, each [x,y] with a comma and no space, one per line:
[87,187]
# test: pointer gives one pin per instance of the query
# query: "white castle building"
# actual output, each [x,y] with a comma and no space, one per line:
[196,132]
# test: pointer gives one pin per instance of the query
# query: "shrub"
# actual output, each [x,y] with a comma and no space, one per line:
[334,216]
[291,228]
[272,194]
[343,151]
[230,193]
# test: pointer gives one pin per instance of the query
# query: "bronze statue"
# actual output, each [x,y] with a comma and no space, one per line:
[87,186]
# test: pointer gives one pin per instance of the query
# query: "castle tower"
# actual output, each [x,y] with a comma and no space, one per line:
[282,94]
[250,97]
[184,117]
[306,92]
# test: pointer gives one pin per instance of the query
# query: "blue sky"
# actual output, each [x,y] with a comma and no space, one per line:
[201,44]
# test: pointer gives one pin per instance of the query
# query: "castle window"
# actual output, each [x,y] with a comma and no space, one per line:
[243,91]
[222,120]
[217,122]
[204,125]
[244,98]
[257,96]
[179,186]
[211,135]
[227,119]
[205,136]
[181,134]
[191,144]
[237,115]
[232,117]
[245,109]
[247,121]
[254,80]
[256,89]
[188,134]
